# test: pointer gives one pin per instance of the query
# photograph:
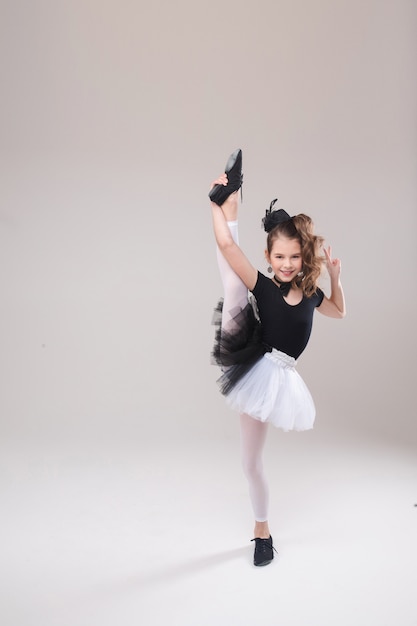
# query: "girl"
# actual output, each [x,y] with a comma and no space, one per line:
[257,346]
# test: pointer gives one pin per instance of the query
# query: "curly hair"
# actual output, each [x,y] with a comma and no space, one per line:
[299,227]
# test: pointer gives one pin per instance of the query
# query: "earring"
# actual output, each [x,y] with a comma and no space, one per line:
[300,273]
[269,270]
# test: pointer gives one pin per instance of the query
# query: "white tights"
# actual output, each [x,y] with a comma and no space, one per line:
[234,291]
[253,436]
[253,432]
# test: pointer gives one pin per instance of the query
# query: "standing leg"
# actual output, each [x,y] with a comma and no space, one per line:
[253,436]
[253,432]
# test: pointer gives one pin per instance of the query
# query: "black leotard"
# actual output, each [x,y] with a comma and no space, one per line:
[285,327]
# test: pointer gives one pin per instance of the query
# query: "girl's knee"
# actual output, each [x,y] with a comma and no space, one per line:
[252,467]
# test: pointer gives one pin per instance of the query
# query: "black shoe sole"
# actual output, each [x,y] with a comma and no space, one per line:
[263,563]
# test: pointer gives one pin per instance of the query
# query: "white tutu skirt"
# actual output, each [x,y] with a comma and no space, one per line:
[273,391]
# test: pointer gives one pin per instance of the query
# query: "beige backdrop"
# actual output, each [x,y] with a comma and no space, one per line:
[115,118]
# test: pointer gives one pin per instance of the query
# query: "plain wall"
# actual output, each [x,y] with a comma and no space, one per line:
[115,118]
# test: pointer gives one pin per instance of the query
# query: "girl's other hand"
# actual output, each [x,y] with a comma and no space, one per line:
[221,180]
[334,266]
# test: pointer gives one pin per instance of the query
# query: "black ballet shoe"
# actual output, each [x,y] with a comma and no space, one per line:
[264,551]
[220,193]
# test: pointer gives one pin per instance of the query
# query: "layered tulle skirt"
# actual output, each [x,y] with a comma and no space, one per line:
[259,380]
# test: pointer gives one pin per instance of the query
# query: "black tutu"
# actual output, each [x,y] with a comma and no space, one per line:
[237,350]
[257,379]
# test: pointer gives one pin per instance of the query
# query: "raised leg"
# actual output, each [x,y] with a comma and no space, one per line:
[235,291]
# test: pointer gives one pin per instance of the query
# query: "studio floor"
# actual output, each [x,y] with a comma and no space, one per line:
[156,531]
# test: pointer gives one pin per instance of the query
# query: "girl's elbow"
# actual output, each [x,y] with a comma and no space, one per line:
[225,245]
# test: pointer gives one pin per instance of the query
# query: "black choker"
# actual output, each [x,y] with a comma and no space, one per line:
[283,287]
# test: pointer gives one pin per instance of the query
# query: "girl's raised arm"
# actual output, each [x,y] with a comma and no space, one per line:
[229,249]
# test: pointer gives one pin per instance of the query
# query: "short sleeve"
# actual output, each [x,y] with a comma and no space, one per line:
[259,285]
[319,295]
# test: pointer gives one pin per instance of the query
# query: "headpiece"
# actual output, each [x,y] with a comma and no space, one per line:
[273,218]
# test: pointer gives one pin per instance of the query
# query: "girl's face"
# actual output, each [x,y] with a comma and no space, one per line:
[285,258]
